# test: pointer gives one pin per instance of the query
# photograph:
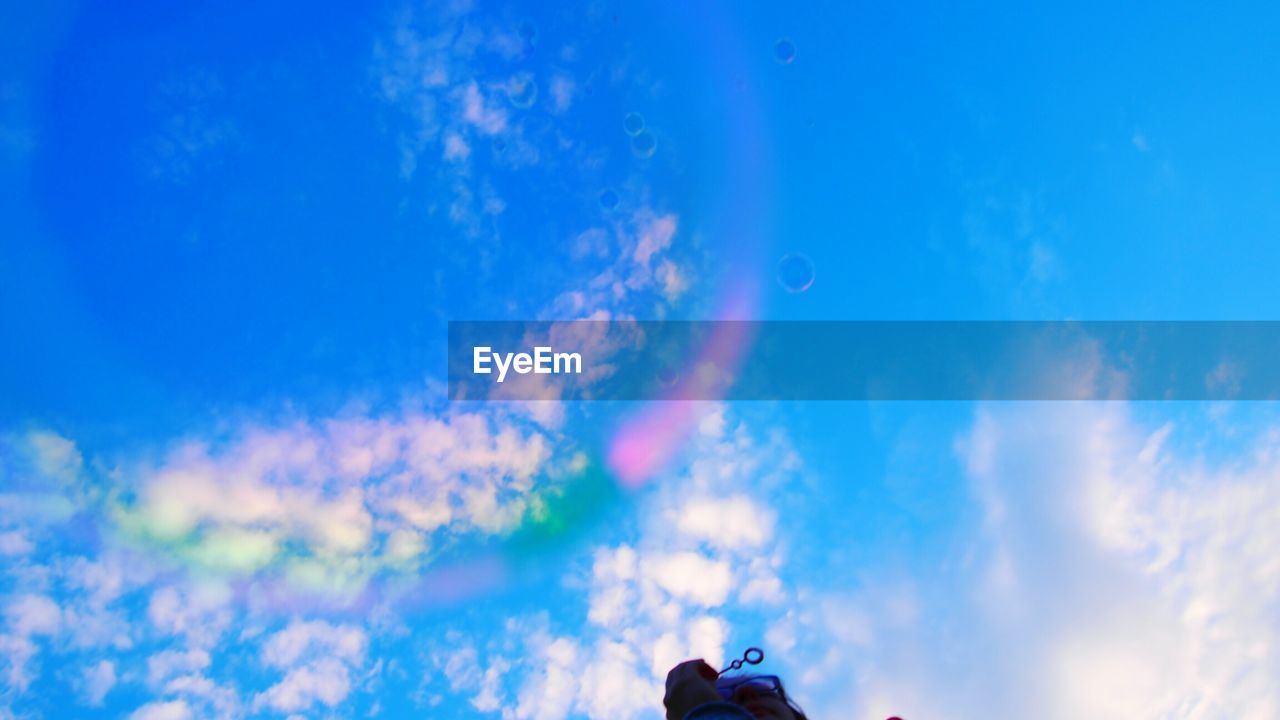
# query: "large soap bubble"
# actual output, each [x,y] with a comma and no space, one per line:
[795,272]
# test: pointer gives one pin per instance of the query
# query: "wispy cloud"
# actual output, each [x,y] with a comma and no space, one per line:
[195,130]
[97,680]
[318,659]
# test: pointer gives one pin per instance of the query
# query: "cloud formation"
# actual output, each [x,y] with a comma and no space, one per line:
[1114,572]
[326,504]
[651,602]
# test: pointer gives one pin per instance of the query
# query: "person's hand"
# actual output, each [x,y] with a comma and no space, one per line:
[689,684]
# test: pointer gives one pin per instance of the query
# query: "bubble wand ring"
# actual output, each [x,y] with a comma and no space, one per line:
[753,656]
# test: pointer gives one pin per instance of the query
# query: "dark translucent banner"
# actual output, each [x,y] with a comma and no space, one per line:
[864,360]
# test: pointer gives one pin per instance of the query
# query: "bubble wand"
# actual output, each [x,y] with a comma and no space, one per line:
[753,656]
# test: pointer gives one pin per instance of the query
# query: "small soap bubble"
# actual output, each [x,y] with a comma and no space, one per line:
[667,377]
[528,32]
[644,144]
[499,145]
[795,272]
[784,51]
[522,91]
[608,199]
[633,123]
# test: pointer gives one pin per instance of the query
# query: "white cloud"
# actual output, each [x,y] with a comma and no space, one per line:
[325,681]
[490,697]
[1115,572]
[1176,557]
[16,653]
[102,580]
[707,635]
[32,614]
[211,699]
[485,114]
[14,543]
[640,267]
[671,280]
[455,147]
[453,103]
[613,594]
[655,236]
[192,129]
[318,658]
[97,680]
[614,684]
[302,639]
[734,522]
[55,456]
[690,576]
[199,612]
[166,664]
[347,496]
[163,710]
[562,89]
[761,583]
[652,603]
[551,691]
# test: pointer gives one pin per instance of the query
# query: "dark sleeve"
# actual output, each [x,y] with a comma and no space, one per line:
[718,711]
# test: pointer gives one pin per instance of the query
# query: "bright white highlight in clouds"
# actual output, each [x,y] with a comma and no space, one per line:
[1114,574]
[169,710]
[651,603]
[690,576]
[1111,573]
[734,522]
[1169,564]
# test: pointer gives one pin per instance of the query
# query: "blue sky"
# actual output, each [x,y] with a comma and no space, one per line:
[231,485]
